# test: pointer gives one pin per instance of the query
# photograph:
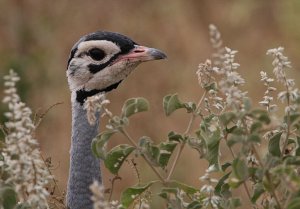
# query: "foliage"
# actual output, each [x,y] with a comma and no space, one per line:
[228,119]
[24,175]
[264,145]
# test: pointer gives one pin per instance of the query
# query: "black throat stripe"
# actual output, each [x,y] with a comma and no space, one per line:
[82,94]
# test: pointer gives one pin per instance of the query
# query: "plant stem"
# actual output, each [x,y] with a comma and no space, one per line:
[244,183]
[268,177]
[287,119]
[123,131]
[187,131]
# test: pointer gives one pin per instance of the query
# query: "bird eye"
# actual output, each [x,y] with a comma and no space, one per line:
[96,54]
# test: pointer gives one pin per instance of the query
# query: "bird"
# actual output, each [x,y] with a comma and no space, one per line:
[98,63]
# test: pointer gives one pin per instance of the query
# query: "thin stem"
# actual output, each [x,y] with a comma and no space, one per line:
[288,117]
[112,186]
[47,165]
[38,121]
[187,131]
[175,161]
[233,156]
[268,177]
[123,131]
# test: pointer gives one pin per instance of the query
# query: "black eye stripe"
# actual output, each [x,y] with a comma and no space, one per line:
[94,68]
[96,54]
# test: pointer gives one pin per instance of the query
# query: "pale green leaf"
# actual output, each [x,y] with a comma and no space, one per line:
[258,191]
[240,169]
[212,143]
[99,144]
[186,188]
[294,203]
[171,103]
[165,151]
[134,105]
[8,197]
[274,145]
[116,156]
[131,193]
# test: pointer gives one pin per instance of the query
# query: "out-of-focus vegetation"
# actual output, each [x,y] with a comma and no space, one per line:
[36,37]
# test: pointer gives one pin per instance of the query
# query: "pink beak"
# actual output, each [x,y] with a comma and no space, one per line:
[142,54]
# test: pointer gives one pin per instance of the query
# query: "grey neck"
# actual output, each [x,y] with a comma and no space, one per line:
[84,167]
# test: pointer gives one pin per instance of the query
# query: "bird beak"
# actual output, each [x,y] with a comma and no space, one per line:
[142,54]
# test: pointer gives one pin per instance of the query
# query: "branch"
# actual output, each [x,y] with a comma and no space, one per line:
[187,131]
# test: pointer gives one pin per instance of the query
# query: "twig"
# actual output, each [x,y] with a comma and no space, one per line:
[233,156]
[288,123]
[123,131]
[112,186]
[187,131]
[268,177]
[3,129]
[41,116]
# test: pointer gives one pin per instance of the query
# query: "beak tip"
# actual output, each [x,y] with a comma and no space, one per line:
[157,54]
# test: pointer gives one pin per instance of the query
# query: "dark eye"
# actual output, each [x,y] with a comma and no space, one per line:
[96,54]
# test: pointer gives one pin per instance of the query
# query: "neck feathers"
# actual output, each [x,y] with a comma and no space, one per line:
[84,167]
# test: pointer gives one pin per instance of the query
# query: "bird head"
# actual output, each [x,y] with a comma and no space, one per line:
[100,61]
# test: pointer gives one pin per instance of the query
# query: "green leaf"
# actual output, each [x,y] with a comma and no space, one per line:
[261,115]
[8,197]
[173,136]
[240,169]
[171,103]
[149,150]
[258,191]
[220,184]
[234,139]
[197,144]
[225,166]
[157,155]
[233,182]
[134,105]
[99,144]
[23,206]
[294,203]
[227,117]
[247,103]
[164,192]
[172,195]
[255,127]
[165,151]
[212,143]
[186,188]
[190,106]
[297,151]
[211,86]
[253,138]
[131,193]
[116,156]
[294,118]
[194,205]
[274,145]
[235,202]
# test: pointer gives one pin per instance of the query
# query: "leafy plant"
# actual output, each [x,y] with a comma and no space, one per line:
[268,176]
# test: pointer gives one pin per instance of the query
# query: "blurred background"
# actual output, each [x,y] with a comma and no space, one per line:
[36,37]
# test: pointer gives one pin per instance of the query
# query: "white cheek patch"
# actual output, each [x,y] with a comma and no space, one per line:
[108,47]
[110,75]
[78,73]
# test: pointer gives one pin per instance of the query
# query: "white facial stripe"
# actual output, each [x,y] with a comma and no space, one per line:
[107,46]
